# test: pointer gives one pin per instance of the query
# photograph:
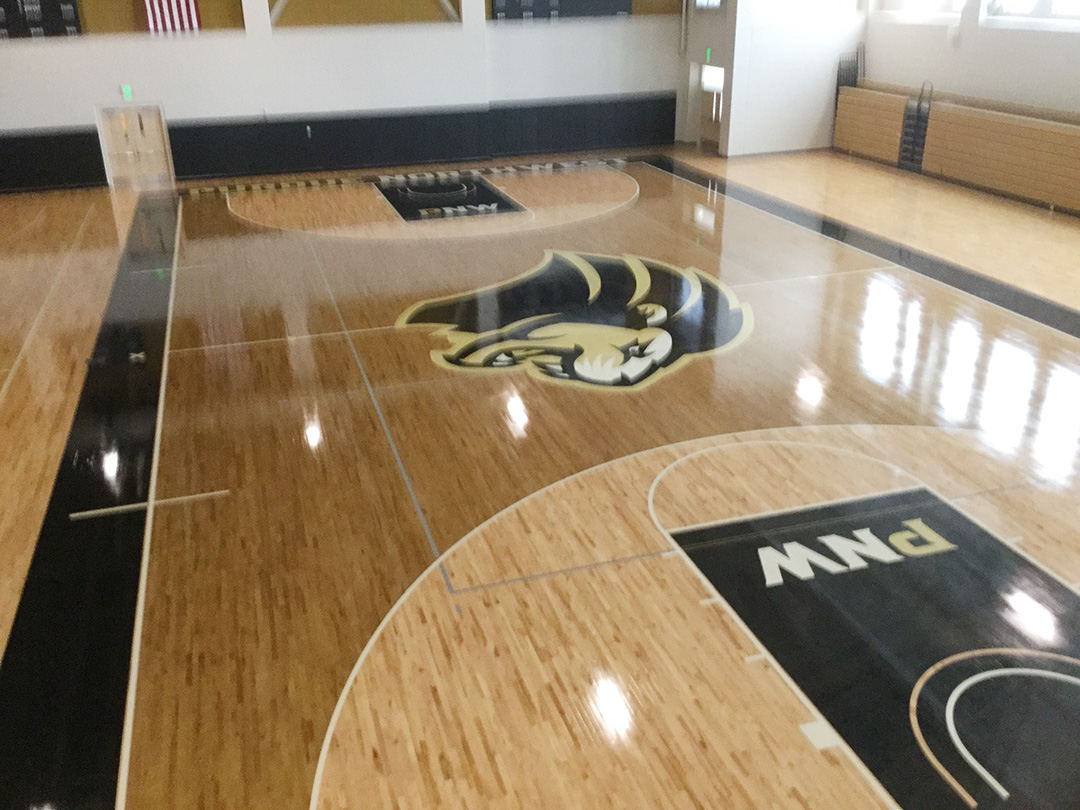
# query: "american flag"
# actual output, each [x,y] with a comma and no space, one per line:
[172,15]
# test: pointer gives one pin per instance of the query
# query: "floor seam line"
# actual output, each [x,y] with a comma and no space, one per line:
[382,421]
[33,222]
[30,333]
[237,343]
[561,571]
[818,275]
[993,491]
[286,338]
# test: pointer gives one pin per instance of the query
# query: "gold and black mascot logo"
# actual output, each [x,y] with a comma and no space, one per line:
[610,321]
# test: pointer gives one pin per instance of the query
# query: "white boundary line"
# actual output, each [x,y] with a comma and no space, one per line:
[144,566]
[742,625]
[1012,547]
[435,565]
[108,510]
[72,246]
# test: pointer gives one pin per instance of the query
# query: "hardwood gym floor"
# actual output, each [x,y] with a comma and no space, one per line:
[426,496]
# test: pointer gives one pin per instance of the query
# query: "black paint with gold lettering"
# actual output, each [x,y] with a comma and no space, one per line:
[948,662]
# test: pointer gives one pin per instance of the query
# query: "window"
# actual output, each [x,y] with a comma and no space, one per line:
[923,8]
[1047,9]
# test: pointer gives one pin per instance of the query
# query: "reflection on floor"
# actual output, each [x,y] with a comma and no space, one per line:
[321,452]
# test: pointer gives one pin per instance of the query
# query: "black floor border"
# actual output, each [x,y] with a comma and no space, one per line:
[1042,310]
[64,673]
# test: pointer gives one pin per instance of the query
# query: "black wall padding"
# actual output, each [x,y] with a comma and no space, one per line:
[568,127]
[284,146]
[281,147]
[39,160]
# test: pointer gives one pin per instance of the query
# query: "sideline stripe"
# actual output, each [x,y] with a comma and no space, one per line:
[144,565]
[68,661]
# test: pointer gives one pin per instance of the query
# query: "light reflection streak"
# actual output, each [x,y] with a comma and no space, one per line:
[1010,376]
[517,417]
[959,374]
[1058,434]
[313,434]
[1031,617]
[880,330]
[912,330]
[611,709]
[810,389]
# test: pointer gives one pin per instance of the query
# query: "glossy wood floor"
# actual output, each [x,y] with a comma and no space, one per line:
[1027,246]
[340,465]
[57,264]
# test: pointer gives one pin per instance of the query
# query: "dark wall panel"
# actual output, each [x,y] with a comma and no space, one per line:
[282,146]
[566,127]
[329,144]
[51,160]
[318,144]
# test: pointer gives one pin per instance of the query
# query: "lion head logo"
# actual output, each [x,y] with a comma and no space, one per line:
[610,321]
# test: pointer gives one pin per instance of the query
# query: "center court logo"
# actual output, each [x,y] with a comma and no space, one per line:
[612,322]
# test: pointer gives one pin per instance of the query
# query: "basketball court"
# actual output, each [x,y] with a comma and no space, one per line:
[617,481]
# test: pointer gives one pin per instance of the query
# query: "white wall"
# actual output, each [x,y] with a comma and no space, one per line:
[1039,68]
[787,84]
[217,75]
[582,58]
[787,53]
[781,58]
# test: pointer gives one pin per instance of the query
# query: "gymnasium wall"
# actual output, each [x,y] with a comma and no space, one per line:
[302,76]
[1031,67]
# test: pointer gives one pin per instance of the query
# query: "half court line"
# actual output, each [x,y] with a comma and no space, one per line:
[31,223]
[382,421]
